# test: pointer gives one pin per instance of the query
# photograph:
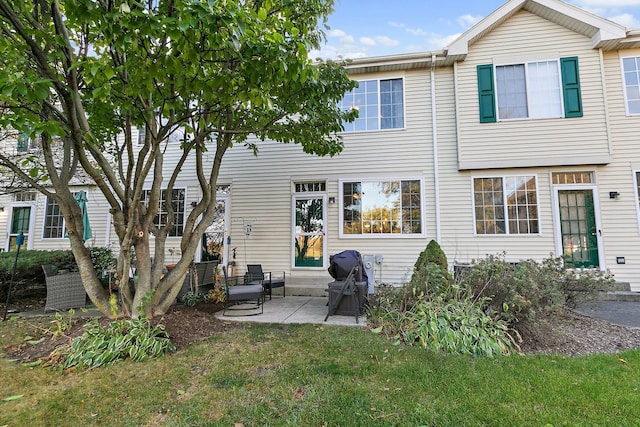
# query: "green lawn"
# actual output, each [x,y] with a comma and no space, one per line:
[307,375]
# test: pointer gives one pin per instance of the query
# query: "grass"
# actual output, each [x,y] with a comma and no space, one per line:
[310,375]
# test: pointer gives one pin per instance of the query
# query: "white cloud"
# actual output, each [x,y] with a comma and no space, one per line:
[607,3]
[336,33]
[440,42]
[387,41]
[367,41]
[467,21]
[627,20]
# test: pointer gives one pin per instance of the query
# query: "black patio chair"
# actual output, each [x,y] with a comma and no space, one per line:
[256,276]
[240,292]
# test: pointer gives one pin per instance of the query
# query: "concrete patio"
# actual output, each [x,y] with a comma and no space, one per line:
[293,309]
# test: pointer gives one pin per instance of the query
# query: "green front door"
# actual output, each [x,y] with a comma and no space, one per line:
[20,223]
[578,228]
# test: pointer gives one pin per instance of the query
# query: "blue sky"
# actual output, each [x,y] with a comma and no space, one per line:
[360,28]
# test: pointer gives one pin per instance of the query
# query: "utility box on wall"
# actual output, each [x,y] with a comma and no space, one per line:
[369,267]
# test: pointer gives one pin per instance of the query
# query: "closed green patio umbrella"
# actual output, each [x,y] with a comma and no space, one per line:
[81,198]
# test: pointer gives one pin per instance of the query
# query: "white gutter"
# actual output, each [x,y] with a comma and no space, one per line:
[434,131]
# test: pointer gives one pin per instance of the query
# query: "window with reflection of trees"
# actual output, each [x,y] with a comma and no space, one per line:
[382,207]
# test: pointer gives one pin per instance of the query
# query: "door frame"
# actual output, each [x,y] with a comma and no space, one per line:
[309,195]
[32,223]
[596,212]
[226,198]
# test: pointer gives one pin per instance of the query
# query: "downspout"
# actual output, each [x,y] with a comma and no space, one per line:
[434,132]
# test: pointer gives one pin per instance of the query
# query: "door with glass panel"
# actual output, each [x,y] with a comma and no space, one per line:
[214,244]
[578,228]
[309,243]
[20,223]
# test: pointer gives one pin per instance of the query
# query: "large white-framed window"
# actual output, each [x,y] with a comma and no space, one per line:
[631,74]
[380,105]
[386,207]
[529,90]
[506,205]
[178,205]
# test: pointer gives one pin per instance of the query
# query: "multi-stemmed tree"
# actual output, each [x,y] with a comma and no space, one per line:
[83,75]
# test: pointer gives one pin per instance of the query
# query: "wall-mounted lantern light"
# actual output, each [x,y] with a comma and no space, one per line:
[614,194]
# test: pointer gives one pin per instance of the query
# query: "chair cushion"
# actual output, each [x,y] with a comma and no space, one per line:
[245,291]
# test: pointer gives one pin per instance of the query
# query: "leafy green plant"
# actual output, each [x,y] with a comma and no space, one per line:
[192,298]
[453,322]
[103,261]
[62,323]
[135,339]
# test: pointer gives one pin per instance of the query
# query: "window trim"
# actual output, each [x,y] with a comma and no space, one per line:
[184,212]
[421,235]
[44,221]
[507,232]
[570,89]
[379,116]
[624,86]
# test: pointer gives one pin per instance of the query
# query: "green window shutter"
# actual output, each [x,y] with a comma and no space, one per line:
[571,87]
[486,94]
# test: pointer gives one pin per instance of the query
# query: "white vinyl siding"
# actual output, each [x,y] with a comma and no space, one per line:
[531,143]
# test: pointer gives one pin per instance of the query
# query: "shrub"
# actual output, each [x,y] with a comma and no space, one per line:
[134,339]
[429,280]
[29,269]
[528,291]
[432,311]
[433,254]
[103,260]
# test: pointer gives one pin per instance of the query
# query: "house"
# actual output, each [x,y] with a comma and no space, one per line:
[519,137]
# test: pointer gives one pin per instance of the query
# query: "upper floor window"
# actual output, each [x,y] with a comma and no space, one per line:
[631,69]
[543,89]
[178,205]
[381,207]
[506,205]
[380,105]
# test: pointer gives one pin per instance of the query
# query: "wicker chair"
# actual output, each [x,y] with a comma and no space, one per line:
[64,291]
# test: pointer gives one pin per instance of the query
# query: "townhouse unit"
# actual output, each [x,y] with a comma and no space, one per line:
[518,138]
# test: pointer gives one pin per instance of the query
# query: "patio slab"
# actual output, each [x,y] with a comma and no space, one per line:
[295,309]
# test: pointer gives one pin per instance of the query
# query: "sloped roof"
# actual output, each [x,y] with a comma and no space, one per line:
[603,33]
